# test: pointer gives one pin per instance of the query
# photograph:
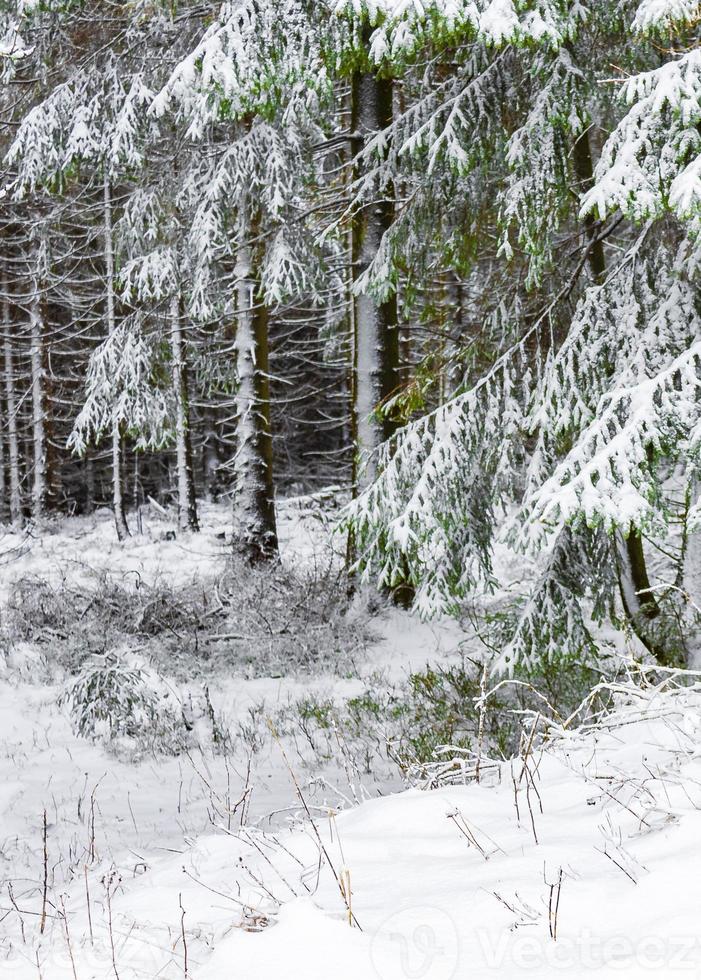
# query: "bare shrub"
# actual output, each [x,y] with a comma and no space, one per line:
[257,621]
[37,611]
[277,620]
[251,622]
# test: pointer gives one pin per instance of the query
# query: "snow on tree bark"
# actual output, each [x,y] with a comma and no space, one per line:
[4,507]
[117,440]
[255,530]
[38,380]
[187,504]
[11,404]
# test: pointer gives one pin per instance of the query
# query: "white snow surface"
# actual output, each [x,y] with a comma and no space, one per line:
[75,550]
[455,882]
[579,858]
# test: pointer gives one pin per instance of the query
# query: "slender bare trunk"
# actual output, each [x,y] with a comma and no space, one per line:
[254,508]
[39,440]
[11,403]
[187,502]
[89,483]
[4,503]
[210,456]
[117,441]
[117,486]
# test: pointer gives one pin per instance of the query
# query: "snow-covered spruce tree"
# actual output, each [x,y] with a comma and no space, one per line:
[446,478]
[92,122]
[253,82]
[399,200]
[398,57]
[27,272]
[147,39]
[649,169]
[153,277]
[397,207]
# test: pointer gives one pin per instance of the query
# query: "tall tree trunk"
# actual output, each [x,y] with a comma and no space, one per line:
[210,455]
[40,483]
[4,503]
[89,482]
[120,519]
[254,508]
[11,403]
[375,330]
[639,602]
[187,502]
[375,339]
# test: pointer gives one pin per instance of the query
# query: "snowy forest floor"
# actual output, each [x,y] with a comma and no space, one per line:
[253,820]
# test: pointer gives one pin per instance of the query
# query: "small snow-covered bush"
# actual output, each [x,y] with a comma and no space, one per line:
[118,699]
